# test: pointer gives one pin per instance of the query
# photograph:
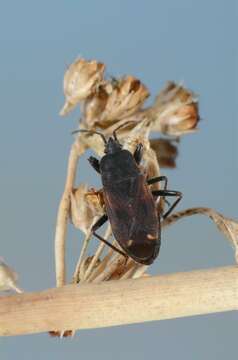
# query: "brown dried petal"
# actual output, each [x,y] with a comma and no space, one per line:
[166,152]
[175,111]
[80,81]
[86,205]
[62,334]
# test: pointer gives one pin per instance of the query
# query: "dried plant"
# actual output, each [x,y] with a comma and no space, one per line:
[105,105]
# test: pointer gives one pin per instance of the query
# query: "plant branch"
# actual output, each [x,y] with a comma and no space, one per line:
[63,213]
[121,302]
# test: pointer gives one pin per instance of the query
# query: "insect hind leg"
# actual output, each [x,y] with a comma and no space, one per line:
[169,193]
[96,226]
[110,245]
[158,179]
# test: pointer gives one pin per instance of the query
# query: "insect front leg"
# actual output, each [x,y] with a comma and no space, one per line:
[169,193]
[95,163]
[138,153]
[96,226]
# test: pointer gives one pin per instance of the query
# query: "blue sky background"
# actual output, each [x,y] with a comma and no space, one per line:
[190,41]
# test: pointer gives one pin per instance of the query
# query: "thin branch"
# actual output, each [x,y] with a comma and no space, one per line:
[121,302]
[63,214]
[98,253]
[81,256]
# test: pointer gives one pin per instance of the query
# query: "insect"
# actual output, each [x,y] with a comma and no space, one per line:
[130,205]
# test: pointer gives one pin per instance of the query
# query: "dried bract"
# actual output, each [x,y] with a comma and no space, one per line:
[86,206]
[92,141]
[175,111]
[80,81]
[8,278]
[134,133]
[94,107]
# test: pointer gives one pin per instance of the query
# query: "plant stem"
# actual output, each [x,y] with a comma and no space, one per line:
[63,213]
[121,302]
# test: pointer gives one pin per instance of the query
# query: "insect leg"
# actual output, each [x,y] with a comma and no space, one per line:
[158,179]
[95,163]
[110,245]
[96,226]
[99,222]
[138,153]
[169,193]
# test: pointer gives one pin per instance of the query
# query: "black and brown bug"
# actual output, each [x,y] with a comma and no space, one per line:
[129,203]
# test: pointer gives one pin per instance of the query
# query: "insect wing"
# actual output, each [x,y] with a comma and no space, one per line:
[132,214]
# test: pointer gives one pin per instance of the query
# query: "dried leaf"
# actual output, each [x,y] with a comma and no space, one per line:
[166,152]
[80,81]
[227,226]
[8,278]
[175,111]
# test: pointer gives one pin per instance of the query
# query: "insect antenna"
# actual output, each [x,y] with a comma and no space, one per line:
[119,127]
[91,132]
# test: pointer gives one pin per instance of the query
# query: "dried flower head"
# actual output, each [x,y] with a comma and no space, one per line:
[114,100]
[175,111]
[80,81]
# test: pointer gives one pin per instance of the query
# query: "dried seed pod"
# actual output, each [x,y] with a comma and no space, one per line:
[86,206]
[175,111]
[80,81]
[8,278]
